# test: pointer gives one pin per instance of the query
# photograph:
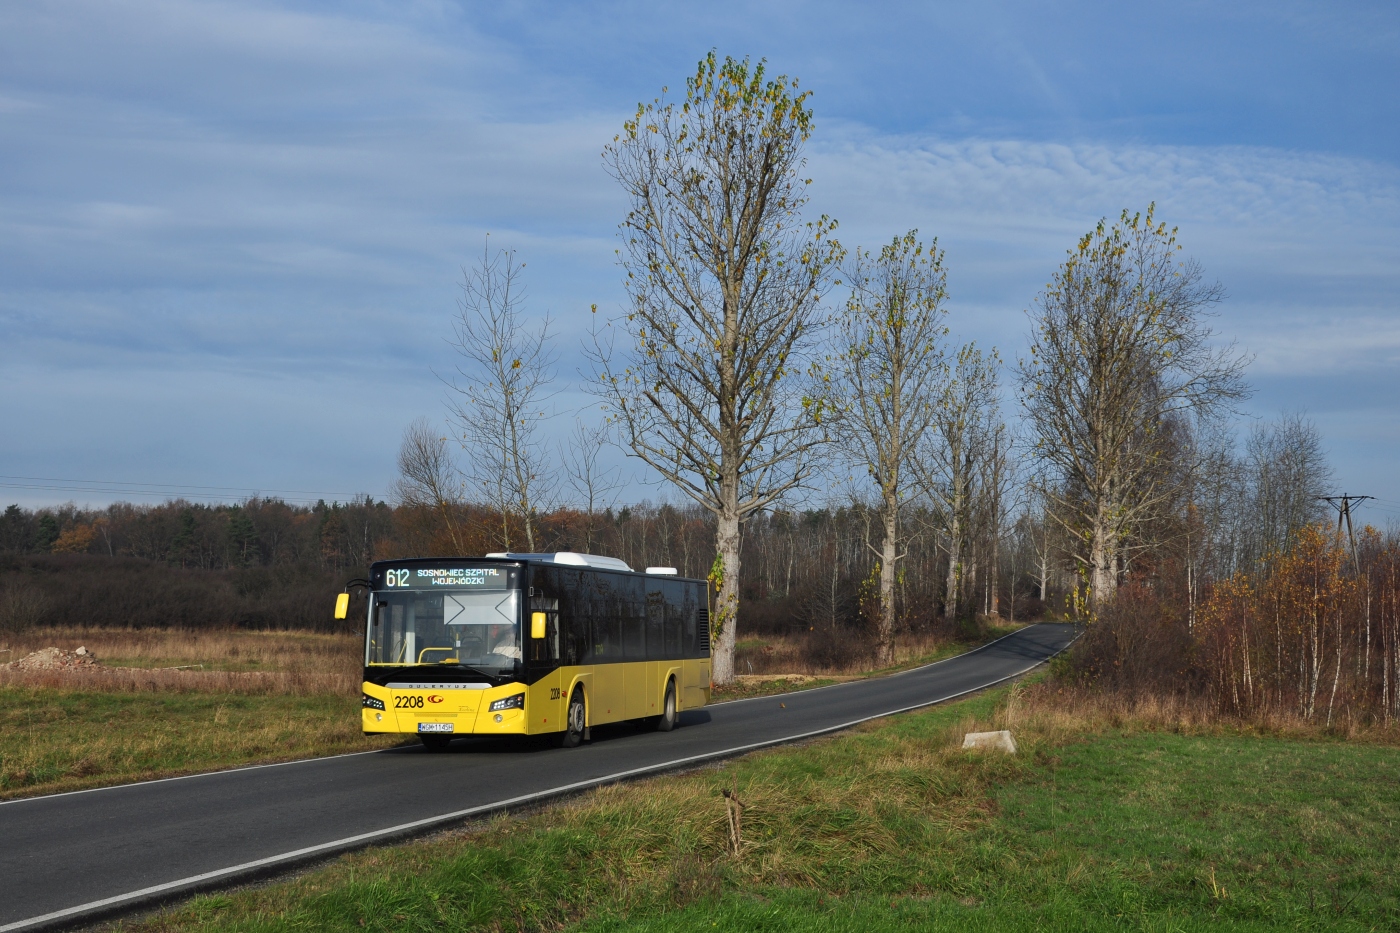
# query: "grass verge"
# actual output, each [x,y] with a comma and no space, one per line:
[59,740]
[1099,823]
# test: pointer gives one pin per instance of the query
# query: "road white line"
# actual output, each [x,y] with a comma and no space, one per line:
[403,828]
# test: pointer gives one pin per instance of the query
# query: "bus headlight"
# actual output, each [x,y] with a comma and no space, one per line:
[370,702]
[515,702]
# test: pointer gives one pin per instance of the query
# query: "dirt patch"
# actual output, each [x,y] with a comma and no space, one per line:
[55,659]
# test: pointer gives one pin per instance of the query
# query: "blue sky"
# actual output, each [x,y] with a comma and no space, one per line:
[231,234]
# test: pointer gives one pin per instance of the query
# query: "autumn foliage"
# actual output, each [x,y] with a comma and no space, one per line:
[1313,633]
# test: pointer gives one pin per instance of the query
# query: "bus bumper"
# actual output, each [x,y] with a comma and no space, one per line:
[442,712]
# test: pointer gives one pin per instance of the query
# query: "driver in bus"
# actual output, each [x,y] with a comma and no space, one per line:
[503,642]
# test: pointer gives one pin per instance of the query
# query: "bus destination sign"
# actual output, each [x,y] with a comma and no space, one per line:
[477,578]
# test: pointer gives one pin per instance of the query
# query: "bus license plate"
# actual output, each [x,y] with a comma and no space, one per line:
[435,727]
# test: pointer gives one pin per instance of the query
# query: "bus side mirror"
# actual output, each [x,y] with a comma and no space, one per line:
[537,624]
[342,605]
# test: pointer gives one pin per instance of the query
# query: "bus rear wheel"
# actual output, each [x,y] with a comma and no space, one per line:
[572,735]
[668,718]
[435,743]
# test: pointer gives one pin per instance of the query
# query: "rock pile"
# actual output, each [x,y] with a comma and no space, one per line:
[55,659]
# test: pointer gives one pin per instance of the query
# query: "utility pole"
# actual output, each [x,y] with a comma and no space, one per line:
[1343,504]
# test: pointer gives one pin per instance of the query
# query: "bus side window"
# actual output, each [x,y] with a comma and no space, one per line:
[676,617]
[660,644]
[551,590]
[675,631]
[607,628]
[694,600]
[631,605]
[583,617]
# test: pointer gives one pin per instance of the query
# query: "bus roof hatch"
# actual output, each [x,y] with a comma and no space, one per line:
[570,558]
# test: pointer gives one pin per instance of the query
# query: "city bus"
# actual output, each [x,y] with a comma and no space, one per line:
[530,644]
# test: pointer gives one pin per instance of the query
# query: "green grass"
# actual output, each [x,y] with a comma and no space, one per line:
[895,827]
[56,740]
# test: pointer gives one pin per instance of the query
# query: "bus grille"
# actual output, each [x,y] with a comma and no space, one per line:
[703,624]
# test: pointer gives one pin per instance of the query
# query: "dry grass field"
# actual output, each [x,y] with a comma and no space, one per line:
[160,703]
[238,662]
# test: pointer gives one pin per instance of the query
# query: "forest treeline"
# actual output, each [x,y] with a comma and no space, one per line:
[270,564]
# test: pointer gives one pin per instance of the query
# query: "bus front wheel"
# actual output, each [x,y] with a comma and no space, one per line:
[574,727]
[668,718]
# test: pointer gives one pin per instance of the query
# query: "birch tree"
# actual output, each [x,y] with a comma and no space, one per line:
[725,282]
[1118,347]
[892,370]
[498,403]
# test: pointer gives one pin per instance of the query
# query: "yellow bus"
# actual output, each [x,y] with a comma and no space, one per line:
[530,644]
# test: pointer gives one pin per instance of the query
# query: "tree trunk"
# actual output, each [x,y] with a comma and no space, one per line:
[994,574]
[1102,580]
[1044,570]
[950,600]
[726,600]
[888,554]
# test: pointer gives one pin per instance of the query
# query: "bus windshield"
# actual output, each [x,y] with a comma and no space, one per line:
[471,629]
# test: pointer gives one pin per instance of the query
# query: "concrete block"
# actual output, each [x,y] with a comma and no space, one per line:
[996,741]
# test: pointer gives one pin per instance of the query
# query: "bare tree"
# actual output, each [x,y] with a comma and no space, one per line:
[593,486]
[427,476]
[506,372]
[1118,347]
[892,369]
[725,283]
[1287,474]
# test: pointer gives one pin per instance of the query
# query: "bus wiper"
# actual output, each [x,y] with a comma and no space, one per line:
[475,670]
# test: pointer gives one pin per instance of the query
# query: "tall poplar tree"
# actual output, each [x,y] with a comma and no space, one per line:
[725,281]
[892,370]
[1119,348]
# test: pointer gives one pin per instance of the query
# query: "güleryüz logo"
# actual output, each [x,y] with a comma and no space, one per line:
[434,699]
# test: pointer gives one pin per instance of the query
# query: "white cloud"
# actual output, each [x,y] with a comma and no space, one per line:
[1280,229]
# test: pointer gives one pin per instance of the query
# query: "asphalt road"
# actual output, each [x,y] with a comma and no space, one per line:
[70,858]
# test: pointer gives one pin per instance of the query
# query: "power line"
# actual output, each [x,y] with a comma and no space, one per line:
[168,490]
[106,482]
